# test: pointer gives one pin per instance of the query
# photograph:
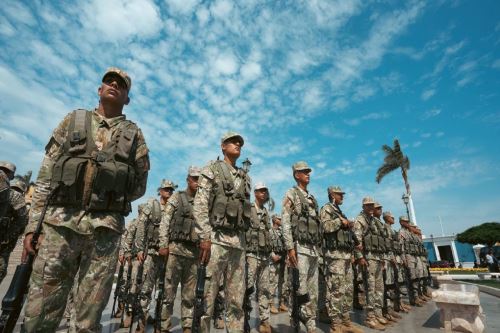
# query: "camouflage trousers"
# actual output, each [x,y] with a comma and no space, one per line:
[389,281]
[62,254]
[181,270]
[278,282]
[226,264]
[258,276]
[321,289]
[4,263]
[375,288]
[308,279]
[152,266]
[339,277]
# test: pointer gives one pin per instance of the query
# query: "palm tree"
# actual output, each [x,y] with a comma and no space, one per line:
[395,159]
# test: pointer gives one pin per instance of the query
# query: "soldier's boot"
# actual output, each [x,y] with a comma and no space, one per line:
[141,326]
[264,327]
[323,316]
[390,318]
[119,311]
[219,323]
[418,302]
[127,320]
[394,314]
[382,320]
[186,330]
[349,327]
[336,326]
[373,323]
[283,307]
[273,309]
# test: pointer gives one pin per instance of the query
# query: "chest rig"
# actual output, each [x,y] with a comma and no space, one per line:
[258,237]
[182,223]
[340,239]
[305,227]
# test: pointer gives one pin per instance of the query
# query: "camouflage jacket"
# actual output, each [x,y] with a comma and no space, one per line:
[178,248]
[127,245]
[361,225]
[145,219]
[331,222]
[404,236]
[291,202]
[76,219]
[201,209]
[14,221]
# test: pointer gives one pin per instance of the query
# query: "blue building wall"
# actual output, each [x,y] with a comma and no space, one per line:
[431,256]
[465,252]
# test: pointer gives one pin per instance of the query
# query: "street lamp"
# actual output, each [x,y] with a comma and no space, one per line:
[246,165]
[406,200]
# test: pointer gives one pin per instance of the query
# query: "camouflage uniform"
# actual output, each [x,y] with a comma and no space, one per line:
[307,255]
[257,256]
[12,226]
[7,171]
[277,270]
[77,240]
[182,260]
[337,247]
[409,259]
[148,231]
[362,226]
[227,260]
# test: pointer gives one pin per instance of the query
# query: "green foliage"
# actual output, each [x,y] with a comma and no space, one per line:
[486,233]
[394,159]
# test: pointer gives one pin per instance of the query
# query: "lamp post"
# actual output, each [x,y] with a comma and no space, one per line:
[406,200]
[246,165]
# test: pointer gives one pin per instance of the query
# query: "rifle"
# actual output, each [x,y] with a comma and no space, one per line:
[364,274]
[127,295]
[397,294]
[159,297]
[386,292]
[199,304]
[297,300]
[13,300]
[118,287]
[409,286]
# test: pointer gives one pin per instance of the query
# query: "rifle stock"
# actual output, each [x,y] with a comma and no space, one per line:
[117,289]
[199,304]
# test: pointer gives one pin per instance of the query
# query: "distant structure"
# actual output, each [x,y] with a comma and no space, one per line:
[449,249]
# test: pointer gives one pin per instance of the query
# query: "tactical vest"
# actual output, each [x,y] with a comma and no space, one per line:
[374,238]
[182,223]
[305,228]
[277,242]
[340,239]
[257,239]
[396,246]
[410,245]
[153,212]
[95,180]
[230,207]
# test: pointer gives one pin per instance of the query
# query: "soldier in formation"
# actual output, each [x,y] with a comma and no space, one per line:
[277,271]
[301,234]
[15,215]
[96,163]
[179,245]
[222,212]
[258,251]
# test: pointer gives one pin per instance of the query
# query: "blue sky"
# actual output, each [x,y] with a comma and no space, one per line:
[326,82]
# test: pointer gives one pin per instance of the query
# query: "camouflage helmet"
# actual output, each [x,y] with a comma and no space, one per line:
[165,183]
[231,134]
[19,183]
[377,204]
[335,189]
[259,186]
[194,171]
[388,214]
[300,166]
[121,73]
[404,218]
[368,201]
[8,166]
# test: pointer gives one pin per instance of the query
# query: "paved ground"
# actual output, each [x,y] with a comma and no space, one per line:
[424,319]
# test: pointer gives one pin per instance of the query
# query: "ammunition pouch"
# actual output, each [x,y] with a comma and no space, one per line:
[305,228]
[182,221]
[339,240]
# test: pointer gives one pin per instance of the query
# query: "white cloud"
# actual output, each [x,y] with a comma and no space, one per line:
[221,8]
[226,63]
[369,116]
[496,64]
[431,113]
[250,71]
[426,94]
[183,7]
[18,12]
[118,20]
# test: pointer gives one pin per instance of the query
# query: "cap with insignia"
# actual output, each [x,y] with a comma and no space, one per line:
[388,213]
[165,183]
[368,201]
[231,134]
[377,205]
[335,189]
[120,73]
[194,171]
[300,165]
[259,186]
[404,218]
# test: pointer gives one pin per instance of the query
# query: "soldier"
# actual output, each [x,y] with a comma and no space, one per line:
[12,223]
[301,234]
[96,163]
[277,269]
[421,258]
[369,260]
[7,171]
[222,212]
[179,243]
[148,230]
[338,244]
[258,240]
[391,246]
[409,250]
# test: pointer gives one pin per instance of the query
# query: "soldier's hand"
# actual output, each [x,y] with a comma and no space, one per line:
[28,247]
[121,259]
[164,252]
[140,257]
[345,223]
[276,258]
[127,257]
[359,247]
[292,258]
[205,247]
[362,262]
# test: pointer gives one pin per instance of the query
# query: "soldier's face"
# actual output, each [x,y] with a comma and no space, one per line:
[166,193]
[192,183]
[389,220]
[261,195]
[113,88]
[339,198]
[303,176]
[277,221]
[377,212]
[232,147]
[368,209]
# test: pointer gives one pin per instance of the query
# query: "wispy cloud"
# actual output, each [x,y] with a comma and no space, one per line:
[431,113]
[426,94]
[369,116]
